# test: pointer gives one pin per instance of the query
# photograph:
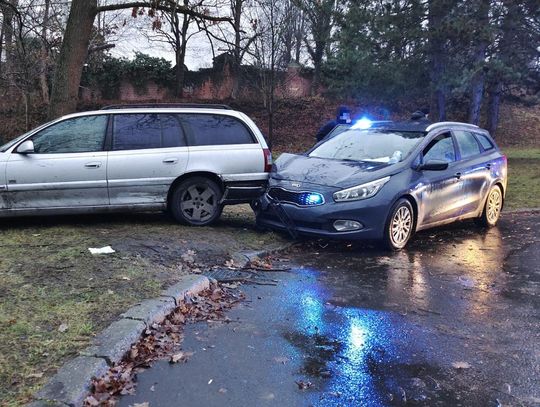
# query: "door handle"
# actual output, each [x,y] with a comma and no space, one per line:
[92,165]
[457,175]
[170,161]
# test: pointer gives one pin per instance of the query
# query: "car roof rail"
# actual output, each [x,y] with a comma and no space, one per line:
[168,106]
[445,124]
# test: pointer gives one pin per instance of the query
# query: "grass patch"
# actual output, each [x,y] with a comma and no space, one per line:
[48,279]
[523,178]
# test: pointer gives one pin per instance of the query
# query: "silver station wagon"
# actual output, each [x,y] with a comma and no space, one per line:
[189,159]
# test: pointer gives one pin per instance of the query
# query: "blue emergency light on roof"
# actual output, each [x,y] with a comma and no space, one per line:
[363,123]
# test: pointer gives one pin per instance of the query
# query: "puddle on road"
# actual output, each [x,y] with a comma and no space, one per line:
[374,326]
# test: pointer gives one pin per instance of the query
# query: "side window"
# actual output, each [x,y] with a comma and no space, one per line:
[440,148]
[77,135]
[468,146]
[208,130]
[485,141]
[143,131]
[136,131]
[172,134]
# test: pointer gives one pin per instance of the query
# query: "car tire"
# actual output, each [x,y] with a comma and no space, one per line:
[196,201]
[492,209]
[399,226]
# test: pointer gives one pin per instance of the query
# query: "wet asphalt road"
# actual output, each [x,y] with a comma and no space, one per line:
[453,320]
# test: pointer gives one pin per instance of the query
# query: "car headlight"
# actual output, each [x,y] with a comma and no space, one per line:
[359,192]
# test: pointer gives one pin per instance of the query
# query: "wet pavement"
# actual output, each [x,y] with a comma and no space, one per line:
[454,320]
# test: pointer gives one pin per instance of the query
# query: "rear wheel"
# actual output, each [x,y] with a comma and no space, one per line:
[399,226]
[492,209]
[196,201]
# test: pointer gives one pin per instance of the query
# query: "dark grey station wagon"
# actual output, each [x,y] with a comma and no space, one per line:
[387,181]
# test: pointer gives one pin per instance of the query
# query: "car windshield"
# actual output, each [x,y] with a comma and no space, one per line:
[371,145]
[11,143]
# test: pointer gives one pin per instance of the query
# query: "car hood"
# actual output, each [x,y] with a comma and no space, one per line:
[327,172]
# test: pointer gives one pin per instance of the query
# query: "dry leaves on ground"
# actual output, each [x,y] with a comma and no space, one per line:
[161,342]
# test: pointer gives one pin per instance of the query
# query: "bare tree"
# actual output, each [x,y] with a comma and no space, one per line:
[319,16]
[73,52]
[268,53]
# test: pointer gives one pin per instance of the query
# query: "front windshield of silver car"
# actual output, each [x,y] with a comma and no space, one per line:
[371,145]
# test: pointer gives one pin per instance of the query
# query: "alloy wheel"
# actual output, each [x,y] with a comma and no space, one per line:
[401,226]
[494,205]
[199,202]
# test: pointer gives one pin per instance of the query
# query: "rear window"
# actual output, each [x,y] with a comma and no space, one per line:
[208,130]
[485,141]
[145,131]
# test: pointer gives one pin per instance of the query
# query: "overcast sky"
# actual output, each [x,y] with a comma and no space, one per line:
[132,36]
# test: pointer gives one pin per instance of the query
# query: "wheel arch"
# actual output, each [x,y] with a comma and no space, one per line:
[499,183]
[414,205]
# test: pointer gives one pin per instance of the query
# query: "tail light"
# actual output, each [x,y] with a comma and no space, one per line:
[267,160]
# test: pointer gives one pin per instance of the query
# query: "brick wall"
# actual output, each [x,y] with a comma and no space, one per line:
[215,86]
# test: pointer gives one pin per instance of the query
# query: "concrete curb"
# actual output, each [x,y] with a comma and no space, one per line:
[242,259]
[71,383]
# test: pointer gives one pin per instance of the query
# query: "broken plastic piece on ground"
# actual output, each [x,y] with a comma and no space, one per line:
[102,250]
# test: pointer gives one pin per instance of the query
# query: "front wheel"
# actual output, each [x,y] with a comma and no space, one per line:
[399,226]
[492,209]
[196,201]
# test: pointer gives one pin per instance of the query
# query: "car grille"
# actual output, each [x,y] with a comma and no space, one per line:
[296,198]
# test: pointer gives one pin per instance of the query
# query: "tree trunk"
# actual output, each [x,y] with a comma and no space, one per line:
[70,62]
[495,92]
[479,77]
[44,55]
[8,41]
[237,51]
[437,10]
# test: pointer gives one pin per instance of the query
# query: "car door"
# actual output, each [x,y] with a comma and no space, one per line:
[439,199]
[475,172]
[67,168]
[148,152]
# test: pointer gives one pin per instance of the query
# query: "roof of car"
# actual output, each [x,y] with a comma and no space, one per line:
[168,106]
[421,125]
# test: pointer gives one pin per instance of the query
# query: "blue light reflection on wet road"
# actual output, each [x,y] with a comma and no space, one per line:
[351,339]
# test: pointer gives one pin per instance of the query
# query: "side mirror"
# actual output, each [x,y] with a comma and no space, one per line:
[26,148]
[433,165]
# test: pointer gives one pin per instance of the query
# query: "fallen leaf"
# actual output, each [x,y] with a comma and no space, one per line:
[268,396]
[180,357]
[210,381]
[189,256]
[230,264]
[302,385]
[222,390]
[91,401]
[281,359]
[63,327]
[35,376]
[145,404]
[126,278]
[461,365]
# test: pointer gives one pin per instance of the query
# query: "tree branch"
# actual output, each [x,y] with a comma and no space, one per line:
[156,6]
